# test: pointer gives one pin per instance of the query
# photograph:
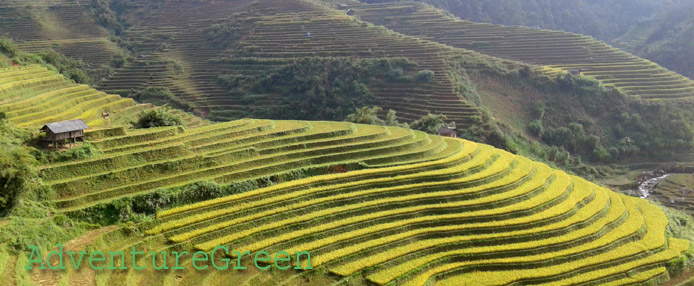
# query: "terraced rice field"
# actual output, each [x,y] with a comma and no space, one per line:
[66,26]
[32,96]
[382,205]
[476,212]
[417,208]
[412,208]
[278,37]
[676,191]
[551,51]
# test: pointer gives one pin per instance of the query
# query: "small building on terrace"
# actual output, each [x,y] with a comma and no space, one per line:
[447,132]
[69,130]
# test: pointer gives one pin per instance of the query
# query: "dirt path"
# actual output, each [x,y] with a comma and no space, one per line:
[684,277]
[78,277]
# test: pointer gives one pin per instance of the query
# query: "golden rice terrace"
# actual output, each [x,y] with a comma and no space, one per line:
[410,208]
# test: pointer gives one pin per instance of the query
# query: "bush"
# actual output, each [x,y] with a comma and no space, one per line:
[85,151]
[72,69]
[425,76]
[366,115]
[539,110]
[225,34]
[8,48]
[158,118]
[429,123]
[535,128]
[394,74]
[119,60]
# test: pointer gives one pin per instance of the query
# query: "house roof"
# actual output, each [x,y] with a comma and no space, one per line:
[446,130]
[66,126]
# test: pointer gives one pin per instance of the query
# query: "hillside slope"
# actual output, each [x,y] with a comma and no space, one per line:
[553,51]
[666,39]
[372,204]
[272,36]
[226,60]
[656,30]
[33,95]
[67,26]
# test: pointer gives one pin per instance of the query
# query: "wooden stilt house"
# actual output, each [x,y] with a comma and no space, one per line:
[69,130]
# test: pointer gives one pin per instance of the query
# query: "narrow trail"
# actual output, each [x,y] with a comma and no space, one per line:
[84,276]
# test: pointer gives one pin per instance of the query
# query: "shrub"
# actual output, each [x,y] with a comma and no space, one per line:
[157,118]
[535,127]
[72,69]
[225,34]
[85,151]
[366,115]
[119,60]
[8,47]
[539,110]
[392,120]
[394,74]
[425,76]
[429,123]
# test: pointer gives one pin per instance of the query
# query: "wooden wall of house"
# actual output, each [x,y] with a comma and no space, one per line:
[50,136]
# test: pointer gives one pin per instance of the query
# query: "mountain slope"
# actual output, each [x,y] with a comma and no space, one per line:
[373,204]
[32,95]
[553,51]
[275,36]
[67,26]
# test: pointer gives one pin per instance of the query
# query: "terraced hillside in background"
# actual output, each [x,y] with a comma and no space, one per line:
[67,26]
[551,51]
[276,37]
[32,96]
[676,191]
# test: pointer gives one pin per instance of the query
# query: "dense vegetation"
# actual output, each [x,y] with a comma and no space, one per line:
[668,39]
[70,68]
[319,88]
[18,170]
[628,128]
[158,117]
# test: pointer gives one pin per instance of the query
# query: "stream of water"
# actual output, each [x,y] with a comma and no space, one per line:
[646,187]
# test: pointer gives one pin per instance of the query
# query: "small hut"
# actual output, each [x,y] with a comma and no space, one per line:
[447,132]
[350,12]
[342,6]
[575,72]
[60,131]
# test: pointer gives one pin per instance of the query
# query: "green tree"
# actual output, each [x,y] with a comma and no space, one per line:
[366,115]
[425,76]
[392,120]
[429,123]
[157,118]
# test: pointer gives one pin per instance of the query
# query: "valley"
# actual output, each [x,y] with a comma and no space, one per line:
[241,129]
